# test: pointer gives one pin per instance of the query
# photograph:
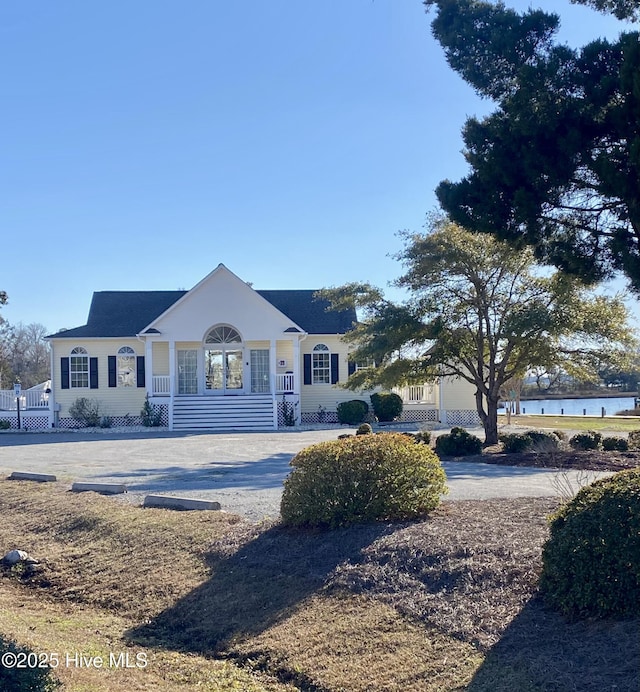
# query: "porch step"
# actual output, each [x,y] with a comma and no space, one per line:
[253,412]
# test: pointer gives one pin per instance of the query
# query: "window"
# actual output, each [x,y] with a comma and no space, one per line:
[187,371]
[223,334]
[126,367]
[365,364]
[260,371]
[321,365]
[79,368]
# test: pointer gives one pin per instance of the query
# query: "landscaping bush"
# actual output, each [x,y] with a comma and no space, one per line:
[615,444]
[634,440]
[5,425]
[150,414]
[591,562]
[86,411]
[541,439]
[458,443]
[362,478]
[364,429]
[586,440]
[32,678]
[352,412]
[424,436]
[386,407]
[515,443]
[561,435]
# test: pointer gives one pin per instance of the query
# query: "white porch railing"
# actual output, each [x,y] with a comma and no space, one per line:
[417,394]
[29,399]
[284,382]
[161,385]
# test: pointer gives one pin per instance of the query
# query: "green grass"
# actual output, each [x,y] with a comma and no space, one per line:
[609,423]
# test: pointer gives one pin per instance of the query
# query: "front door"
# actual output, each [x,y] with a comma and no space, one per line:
[223,371]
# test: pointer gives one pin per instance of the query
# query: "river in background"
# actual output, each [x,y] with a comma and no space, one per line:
[577,407]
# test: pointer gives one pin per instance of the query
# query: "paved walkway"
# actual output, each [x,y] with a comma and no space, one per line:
[243,471]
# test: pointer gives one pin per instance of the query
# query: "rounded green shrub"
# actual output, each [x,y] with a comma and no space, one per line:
[586,440]
[458,443]
[541,439]
[31,678]
[591,562]
[615,444]
[386,406]
[362,478]
[364,429]
[634,440]
[352,412]
[515,443]
[424,436]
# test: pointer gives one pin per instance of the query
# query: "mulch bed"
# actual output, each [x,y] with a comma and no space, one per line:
[596,460]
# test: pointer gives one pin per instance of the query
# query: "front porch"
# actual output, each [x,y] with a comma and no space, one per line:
[33,411]
[284,383]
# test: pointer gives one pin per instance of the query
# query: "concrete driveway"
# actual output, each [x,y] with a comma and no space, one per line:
[243,471]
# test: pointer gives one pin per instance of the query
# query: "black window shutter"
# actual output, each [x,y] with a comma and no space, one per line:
[140,371]
[351,367]
[93,373]
[335,375]
[112,371]
[64,373]
[307,368]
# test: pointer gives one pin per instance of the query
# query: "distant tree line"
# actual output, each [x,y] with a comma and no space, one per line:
[24,355]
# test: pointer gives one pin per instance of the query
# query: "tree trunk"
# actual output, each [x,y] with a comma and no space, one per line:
[490,422]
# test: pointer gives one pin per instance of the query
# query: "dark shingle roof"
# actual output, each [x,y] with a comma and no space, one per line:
[310,314]
[127,313]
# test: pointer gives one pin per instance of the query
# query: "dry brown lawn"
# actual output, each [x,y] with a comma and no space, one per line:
[216,604]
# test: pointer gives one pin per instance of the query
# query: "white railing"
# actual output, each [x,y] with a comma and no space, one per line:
[417,394]
[284,382]
[29,399]
[161,385]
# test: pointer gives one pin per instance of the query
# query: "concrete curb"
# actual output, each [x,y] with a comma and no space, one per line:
[169,502]
[102,488]
[38,477]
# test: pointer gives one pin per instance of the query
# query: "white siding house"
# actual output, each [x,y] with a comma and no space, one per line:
[220,356]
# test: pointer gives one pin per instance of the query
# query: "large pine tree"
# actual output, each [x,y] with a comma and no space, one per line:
[557,165]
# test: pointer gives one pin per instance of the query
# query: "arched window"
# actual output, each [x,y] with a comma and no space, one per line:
[321,365]
[223,334]
[126,367]
[79,368]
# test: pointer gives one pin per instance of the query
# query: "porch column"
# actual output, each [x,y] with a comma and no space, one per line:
[52,387]
[148,366]
[272,377]
[172,379]
[297,378]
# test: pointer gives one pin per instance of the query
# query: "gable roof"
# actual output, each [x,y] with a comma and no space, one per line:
[126,313]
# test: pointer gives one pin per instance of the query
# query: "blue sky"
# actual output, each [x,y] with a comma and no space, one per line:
[146,141]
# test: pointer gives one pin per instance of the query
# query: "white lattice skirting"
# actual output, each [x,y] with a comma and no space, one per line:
[428,415]
[118,421]
[314,417]
[28,422]
[461,418]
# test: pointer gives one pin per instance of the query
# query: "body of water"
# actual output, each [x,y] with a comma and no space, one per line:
[577,407]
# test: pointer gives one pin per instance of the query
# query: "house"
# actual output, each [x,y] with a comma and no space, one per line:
[219,356]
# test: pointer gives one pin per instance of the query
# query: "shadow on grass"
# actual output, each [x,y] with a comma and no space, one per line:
[255,582]
[540,651]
